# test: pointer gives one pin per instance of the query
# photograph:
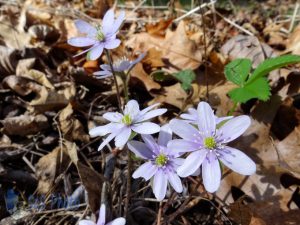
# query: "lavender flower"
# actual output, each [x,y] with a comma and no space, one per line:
[192,117]
[123,65]
[162,162]
[208,146]
[122,125]
[101,220]
[98,37]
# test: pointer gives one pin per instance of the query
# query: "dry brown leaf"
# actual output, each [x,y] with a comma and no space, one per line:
[91,180]
[177,48]
[159,28]
[39,77]
[25,124]
[153,58]
[180,50]
[139,73]
[8,60]
[24,65]
[172,95]
[71,128]
[49,167]
[293,43]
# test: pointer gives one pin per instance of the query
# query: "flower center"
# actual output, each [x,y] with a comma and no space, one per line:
[100,36]
[210,143]
[126,119]
[161,160]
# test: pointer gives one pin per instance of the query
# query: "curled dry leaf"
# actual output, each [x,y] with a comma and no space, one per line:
[139,73]
[91,180]
[8,60]
[71,127]
[172,95]
[177,48]
[42,32]
[49,167]
[25,124]
[293,43]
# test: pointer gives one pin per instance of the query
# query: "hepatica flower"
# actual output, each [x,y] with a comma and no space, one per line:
[209,145]
[101,220]
[121,66]
[98,37]
[192,116]
[161,162]
[122,125]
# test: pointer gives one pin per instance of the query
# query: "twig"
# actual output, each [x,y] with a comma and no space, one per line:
[234,24]
[294,17]
[128,186]
[194,10]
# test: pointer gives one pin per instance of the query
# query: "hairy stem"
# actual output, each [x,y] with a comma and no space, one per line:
[115,78]
[128,186]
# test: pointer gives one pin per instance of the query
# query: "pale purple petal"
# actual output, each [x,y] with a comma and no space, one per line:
[118,22]
[196,173]
[150,142]
[86,222]
[192,115]
[111,44]
[103,73]
[160,182]
[123,137]
[185,130]
[165,135]
[95,52]
[146,170]
[191,163]
[145,128]
[132,108]
[101,220]
[108,22]
[175,181]
[151,114]
[107,140]
[81,41]
[105,67]
[148,108]
[234,128]
[113,116]
[118,221]
[206,119]
[211,172]
[124,65]
[141,56]
[101,130]
[140,149]
[180,146]
[237,161]
[85,28]
[221,119]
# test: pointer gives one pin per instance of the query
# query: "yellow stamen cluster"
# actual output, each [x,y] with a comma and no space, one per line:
[161,160]
[210,143]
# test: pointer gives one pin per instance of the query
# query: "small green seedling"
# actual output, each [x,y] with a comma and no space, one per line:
[255,84]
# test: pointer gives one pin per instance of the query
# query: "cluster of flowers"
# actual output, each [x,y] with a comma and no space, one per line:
[201,134]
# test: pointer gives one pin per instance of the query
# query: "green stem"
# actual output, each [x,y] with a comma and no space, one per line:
[232,109]
[115,79]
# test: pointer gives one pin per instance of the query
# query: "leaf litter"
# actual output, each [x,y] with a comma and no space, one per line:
[49,101]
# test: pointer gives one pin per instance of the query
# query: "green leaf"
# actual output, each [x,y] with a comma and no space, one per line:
[186,77]
[238,70]
[257,89]
[273,63]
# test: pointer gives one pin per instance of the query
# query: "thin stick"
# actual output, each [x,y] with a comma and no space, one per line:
[194,10]
[234,24]
[294,17]
[115,79]
[205,54]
